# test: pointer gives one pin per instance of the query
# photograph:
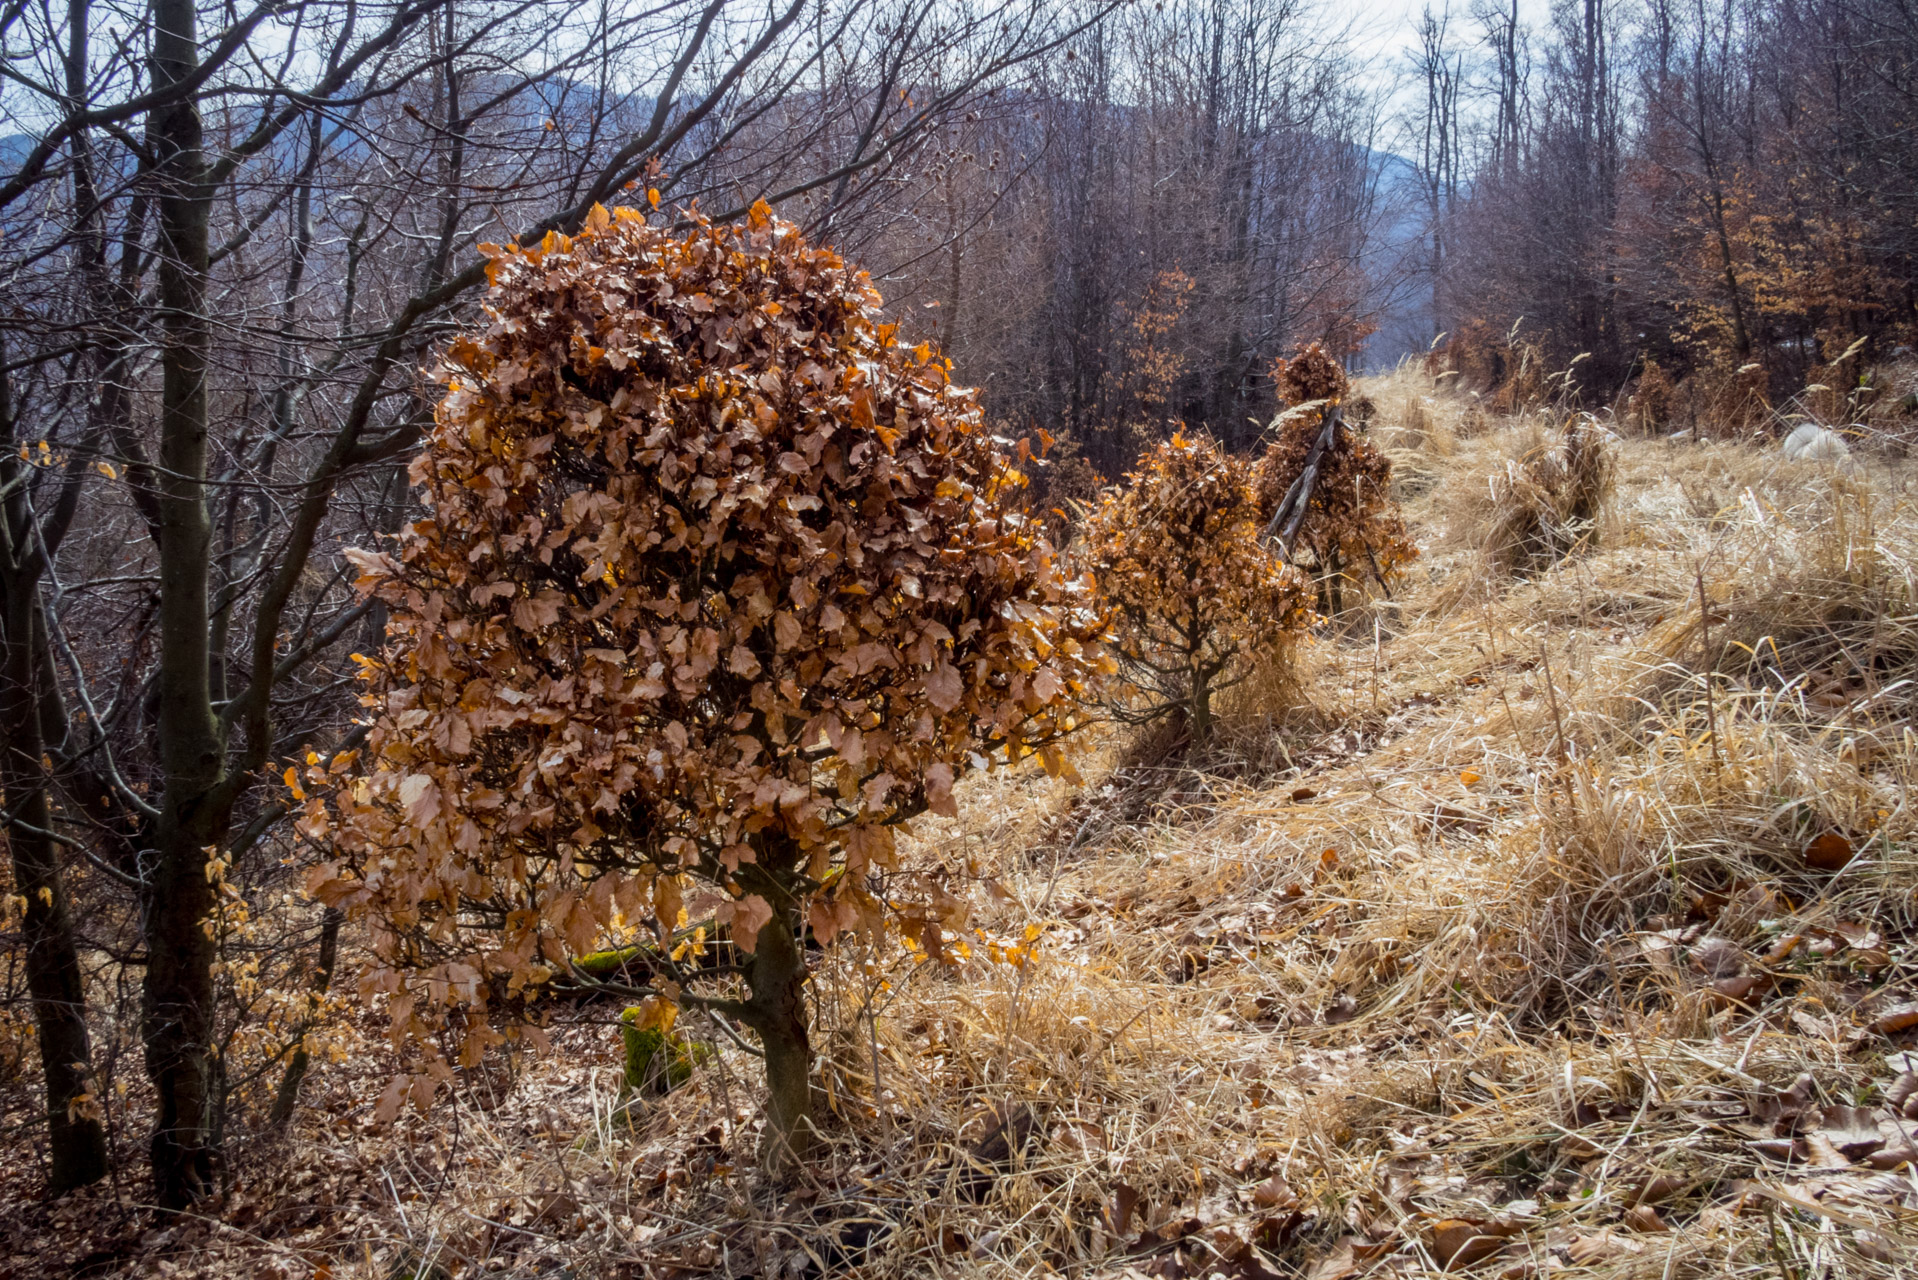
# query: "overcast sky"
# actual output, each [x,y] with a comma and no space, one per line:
[1386,29]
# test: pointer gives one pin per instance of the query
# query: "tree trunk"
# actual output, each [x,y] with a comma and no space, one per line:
[76,1140]
[287,1100]
[1201,713]
[777,1014]
[177,1017]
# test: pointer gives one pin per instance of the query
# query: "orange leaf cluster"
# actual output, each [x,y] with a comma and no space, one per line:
[1311,374]
[716,580]
[1352,522]
[1196,595]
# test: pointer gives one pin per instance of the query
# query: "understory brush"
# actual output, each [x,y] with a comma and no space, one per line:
[1563,921]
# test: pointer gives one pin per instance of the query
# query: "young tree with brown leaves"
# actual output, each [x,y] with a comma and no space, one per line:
[233,234]
[1197,597]
[719,585]
[1349,519]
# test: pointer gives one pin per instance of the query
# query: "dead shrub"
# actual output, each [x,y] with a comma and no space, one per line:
[1352,526]
[1546,501]
[1650,407]
[1723,402]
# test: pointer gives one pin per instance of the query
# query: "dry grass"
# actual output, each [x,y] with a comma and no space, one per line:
[1470,942]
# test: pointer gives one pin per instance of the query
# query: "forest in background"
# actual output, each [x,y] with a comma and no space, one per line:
[234,239]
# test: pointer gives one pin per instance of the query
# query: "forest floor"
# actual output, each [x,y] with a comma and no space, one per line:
[1535,923]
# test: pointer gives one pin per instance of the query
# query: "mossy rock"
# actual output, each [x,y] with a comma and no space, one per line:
[657,1060]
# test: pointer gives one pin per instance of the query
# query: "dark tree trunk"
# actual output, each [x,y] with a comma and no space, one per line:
[287,1100]
[76,1140]
[178,1009]
[1201,711]
[777,1014]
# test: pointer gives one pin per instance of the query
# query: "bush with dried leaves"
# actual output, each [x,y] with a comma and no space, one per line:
[1197,597]
[1352,526]
[717,586]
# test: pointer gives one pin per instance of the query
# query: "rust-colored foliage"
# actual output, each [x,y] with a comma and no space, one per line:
[717,585]
[1310,374]
[1506,370]
[1151,357]
[1064,486]
[1352,527]
[1650,405]
[1197,598]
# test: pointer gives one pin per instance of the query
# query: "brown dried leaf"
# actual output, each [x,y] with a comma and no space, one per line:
[1852,1131]
[1458,1243]
[1644,1218]
[1901,1018]
[1829,852]
[1601,1246]
[1273,1193]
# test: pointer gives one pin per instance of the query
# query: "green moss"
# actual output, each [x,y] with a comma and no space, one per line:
[602,965]
[657,1062]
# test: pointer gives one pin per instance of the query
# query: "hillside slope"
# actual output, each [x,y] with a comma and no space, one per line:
[1567,928]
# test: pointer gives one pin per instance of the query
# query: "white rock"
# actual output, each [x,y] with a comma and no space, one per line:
[1810,442]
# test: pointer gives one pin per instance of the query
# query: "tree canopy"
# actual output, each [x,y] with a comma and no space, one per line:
[717,580]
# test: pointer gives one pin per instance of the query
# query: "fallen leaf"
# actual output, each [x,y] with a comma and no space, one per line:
[1857,935]
[1273,1193]
[1351,1256]
[1893,1156]
[1853,1131]
[1782,1110]
[1718,957]
[1446,818]
[1584,1251]
[1741,990]
[1873,1245]
[1829,852]
[1820,1153]
[1644,1218]
[1902,1018]
[1574,1147]
[1783,948]
[1657,1188]
[1462,1242]
[1870,961]
[1119,1209]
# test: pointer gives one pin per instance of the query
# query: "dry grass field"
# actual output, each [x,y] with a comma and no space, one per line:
[1555,917]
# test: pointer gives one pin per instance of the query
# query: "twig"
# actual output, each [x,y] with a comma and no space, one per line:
[1289,516]
[1705,640]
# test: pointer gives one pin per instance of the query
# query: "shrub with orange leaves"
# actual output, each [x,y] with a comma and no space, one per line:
[1197,597]
[1650,404]
[1310,374]
[1351,524]
[717,586]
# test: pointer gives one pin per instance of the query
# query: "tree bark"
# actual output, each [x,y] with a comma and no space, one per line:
[777,1014]
[77,1141]
[1201,705]
[177,1016]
